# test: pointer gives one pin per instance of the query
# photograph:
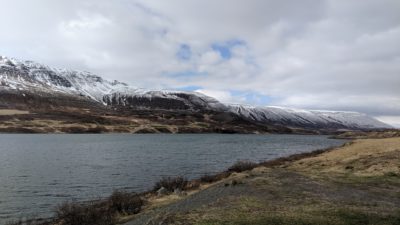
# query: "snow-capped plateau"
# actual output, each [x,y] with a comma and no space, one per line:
[308,118]
[28,76]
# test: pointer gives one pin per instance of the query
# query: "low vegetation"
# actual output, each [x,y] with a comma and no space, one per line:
[85,214]
[99,212]
[358,183]
[241,166]
[207,178]
[369,134]
[103,212]
[125,202]
[171,184]
[338,217]
[93,119]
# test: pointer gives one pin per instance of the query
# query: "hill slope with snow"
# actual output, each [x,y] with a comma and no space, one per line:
[308,118]
[29,77]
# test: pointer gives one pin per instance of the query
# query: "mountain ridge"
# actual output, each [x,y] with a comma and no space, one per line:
[27,78]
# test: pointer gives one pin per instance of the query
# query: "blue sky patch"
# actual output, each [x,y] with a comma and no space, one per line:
[184,52]
[184,74]
[224,48]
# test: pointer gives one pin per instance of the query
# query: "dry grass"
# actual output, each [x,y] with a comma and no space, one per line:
[369,134]
[10,112]
[369,157]
[359,185]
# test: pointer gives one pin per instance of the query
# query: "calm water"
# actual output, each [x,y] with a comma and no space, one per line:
[38,172]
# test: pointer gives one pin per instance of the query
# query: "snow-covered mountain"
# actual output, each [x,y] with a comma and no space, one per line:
[34,77]
[308,118]
[30,77]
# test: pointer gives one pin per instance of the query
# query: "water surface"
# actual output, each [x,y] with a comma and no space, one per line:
[38,172]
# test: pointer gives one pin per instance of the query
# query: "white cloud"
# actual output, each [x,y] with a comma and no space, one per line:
[322,54]
[223,96]
[85,22]
[209,58]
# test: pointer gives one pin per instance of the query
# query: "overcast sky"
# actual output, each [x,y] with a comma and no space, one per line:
[312,54]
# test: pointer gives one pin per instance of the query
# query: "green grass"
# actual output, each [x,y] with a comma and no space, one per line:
[389,178]
[339,217]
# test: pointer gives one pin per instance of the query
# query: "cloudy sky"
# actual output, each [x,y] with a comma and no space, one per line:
[313,54]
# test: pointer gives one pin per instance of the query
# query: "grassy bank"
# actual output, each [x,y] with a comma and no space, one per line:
[369,134]
[358,183]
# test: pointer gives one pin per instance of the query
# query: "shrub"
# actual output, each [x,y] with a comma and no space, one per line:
[85,214]
[124,202]
[171,183]
[193,184]
[241,166]
[207,178]
[102,212]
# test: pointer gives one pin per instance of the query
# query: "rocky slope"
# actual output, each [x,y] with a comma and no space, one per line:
[33,86]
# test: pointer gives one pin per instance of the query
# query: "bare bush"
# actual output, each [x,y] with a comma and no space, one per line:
[85,214]
[241,166]
[125,202]
[207,178]
[171,183]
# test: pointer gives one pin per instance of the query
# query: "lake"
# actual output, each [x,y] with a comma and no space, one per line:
[40,171]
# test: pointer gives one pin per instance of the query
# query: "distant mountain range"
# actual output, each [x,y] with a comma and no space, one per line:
[68,96]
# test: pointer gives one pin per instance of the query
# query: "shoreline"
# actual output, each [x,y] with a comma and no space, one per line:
[356,183]
[217,131]
[307,164]
[194,185]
